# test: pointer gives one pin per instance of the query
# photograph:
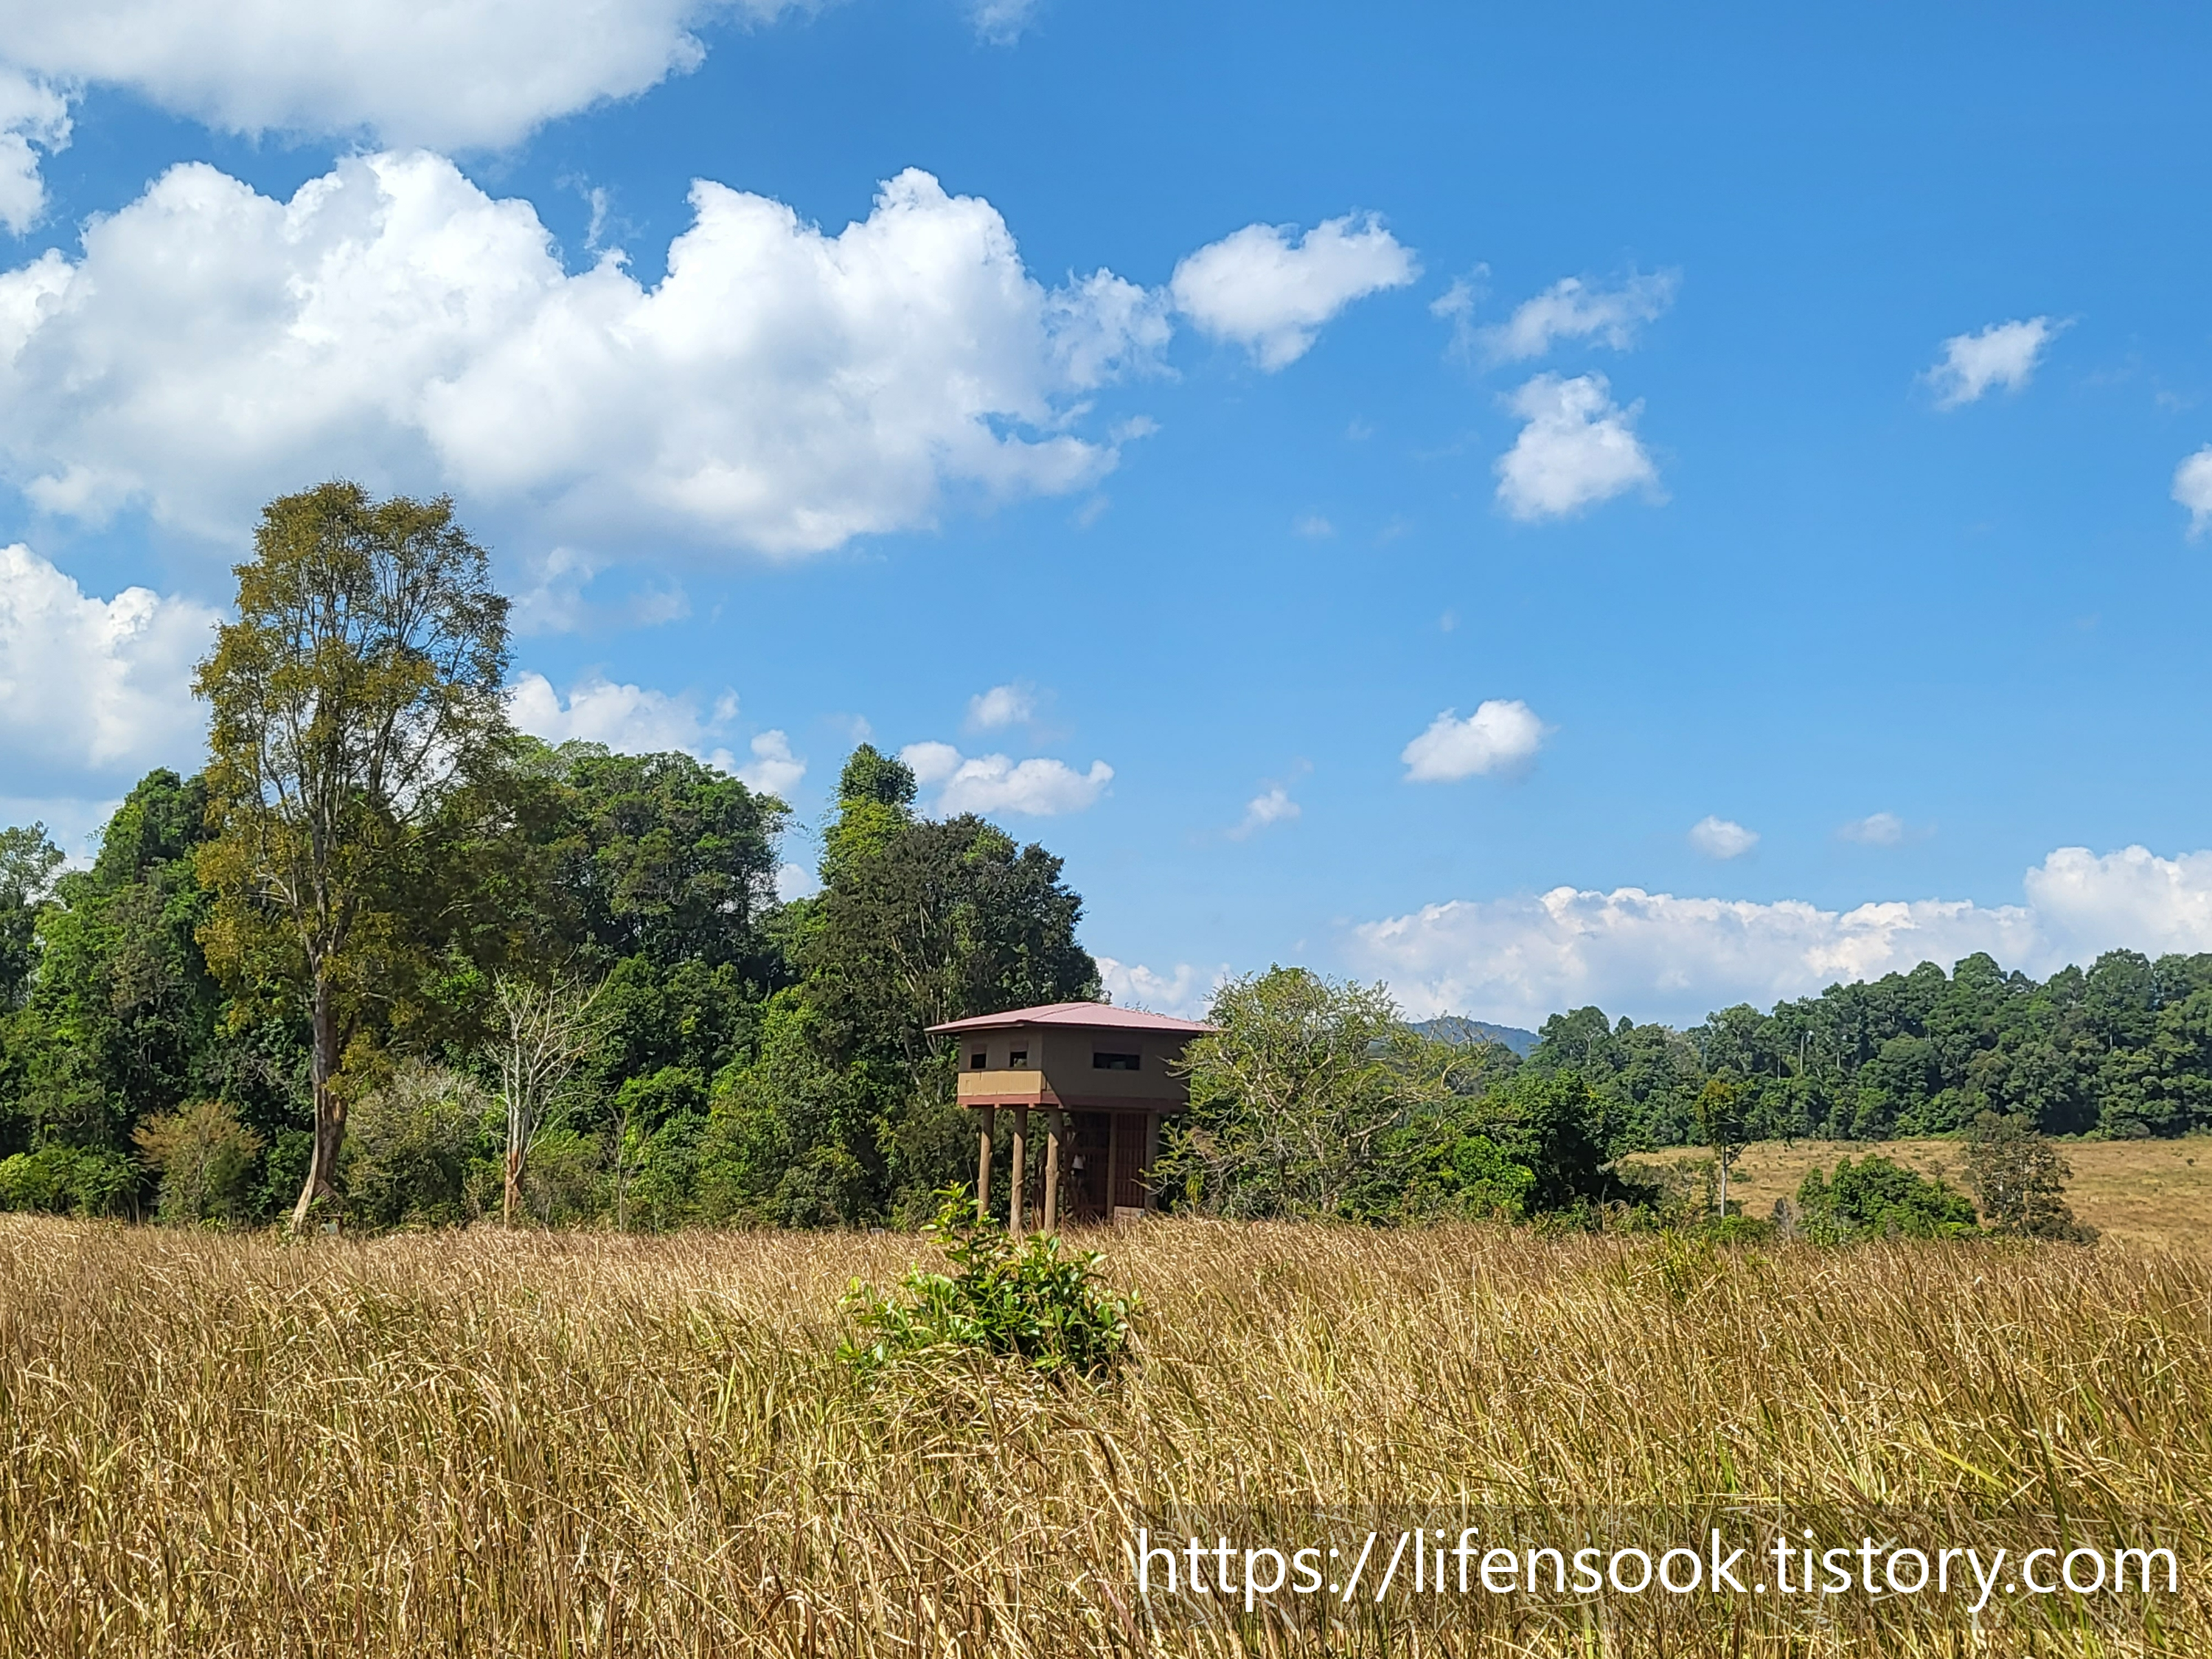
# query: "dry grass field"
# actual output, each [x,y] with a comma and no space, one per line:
[2153,1194]
[478,1443]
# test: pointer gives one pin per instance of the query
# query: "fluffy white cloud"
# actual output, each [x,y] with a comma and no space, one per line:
[2193,487]
[795,881]
[1502,735]
[1002,705]
[631,719]
[994,783]
[1721,838]
[773,769]
[781,389]
[636,720]
[91,686]
[1656,956]
[445,72]
[1184,991]
[34,117]
[1875,829]
[1269,293]
[1571,309]
[2003,354]
[2132,897]
[1272,806]
[1576,449]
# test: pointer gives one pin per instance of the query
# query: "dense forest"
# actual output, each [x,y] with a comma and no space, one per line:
[2121,1049]
[385,958]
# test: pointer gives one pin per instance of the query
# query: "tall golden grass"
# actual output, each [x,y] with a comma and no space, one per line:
[532,1444]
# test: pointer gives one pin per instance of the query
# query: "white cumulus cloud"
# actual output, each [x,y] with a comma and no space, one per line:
[33,118]
[2003,355]
[782,388]
[1002,705]
[444,72]
[1721,838]
[1655,956]
[1270,292]
[631,719]
[1183,990]
[1572,309]
[2133,897]
[637,719]
[2192,488]
[773,770]
[1502,735]
[94,689]
[994,783]
[1577,448]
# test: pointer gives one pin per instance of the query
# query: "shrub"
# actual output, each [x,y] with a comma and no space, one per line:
[1026,1301]
[204,1156]
[410,1144]
[1878,1198]
[69,1180]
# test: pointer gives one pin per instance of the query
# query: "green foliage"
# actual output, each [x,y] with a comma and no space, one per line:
[2121,1049]
[69,1180]
[205,1159]
[1029,1302]
[28,863]
[1314,1098]
[844,1111]
[422,1150]
[1876,1197]
[357,700]
[2021,1180]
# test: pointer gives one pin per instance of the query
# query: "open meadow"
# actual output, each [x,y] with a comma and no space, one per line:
[580,1443]
[2153,1194]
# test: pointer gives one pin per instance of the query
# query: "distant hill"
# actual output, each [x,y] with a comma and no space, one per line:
[1458,1028]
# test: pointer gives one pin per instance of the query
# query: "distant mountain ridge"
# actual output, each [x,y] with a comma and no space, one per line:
[1458,1028]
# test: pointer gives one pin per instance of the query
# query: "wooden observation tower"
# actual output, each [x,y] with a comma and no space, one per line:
[1101,1075]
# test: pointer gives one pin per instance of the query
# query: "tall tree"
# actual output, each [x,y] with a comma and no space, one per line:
[545,1031]
[358,688]
[29,862]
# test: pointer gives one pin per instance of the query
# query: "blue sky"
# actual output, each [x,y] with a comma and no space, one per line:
[1770,437]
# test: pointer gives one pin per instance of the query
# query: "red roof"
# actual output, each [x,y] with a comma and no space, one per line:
[1101,1015]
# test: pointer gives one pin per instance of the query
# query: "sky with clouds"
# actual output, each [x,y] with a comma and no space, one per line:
[1538,507]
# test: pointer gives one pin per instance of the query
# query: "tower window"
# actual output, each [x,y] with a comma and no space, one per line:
[1105,1062]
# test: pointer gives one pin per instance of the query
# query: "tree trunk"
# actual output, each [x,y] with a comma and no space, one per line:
[330,1112]
[512,1199]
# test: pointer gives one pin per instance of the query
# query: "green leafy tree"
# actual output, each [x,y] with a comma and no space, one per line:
[1293,1097]
[358,690]
[29,862]
[2019,1179]
[204,1156]
[1724,1123]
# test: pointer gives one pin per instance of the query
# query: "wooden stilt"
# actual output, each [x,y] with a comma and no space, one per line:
[983,1168]
[1151,1156]
[1055,1132]
[1020,1181]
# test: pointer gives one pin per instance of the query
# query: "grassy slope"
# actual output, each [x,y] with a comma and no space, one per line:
[485,1443]
[2154,1194]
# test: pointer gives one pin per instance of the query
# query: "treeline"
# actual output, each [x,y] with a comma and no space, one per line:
[748,1061]
[387,960]
[2122,1049]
